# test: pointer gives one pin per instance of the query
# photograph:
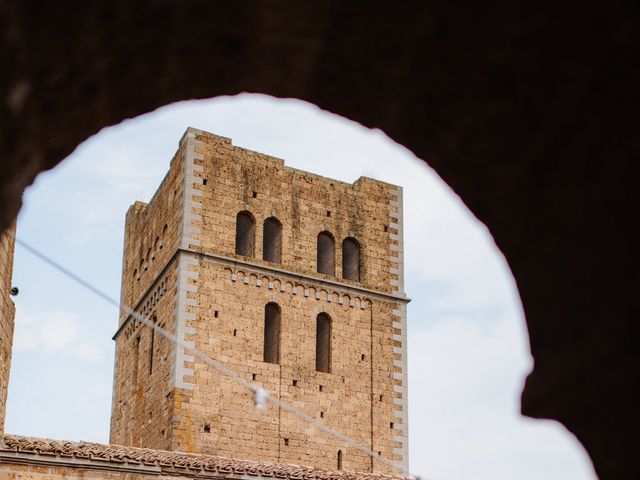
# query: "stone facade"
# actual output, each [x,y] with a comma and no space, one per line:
[7,315]
[40,458]
[181,270]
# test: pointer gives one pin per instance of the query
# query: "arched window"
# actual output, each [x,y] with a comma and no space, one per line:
[323,343]
[326,253]
[339,459]
[245,233]
[271,333]
[351,259]
[156,248]
[272,240]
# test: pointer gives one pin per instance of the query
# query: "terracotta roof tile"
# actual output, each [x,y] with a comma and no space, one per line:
[194,462]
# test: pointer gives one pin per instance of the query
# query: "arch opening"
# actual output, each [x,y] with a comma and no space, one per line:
[326,253]
[245,234]
[272,240]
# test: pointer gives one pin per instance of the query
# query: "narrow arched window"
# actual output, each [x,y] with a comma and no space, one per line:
[351,259]
[323,343]
[339,459]
[326,253]
[271,333]
[245,233]
[272,240]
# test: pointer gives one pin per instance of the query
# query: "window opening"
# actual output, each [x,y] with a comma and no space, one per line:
[245,234]
[351,259]
[326,253]
[271,333]
[272,240]
[323,343]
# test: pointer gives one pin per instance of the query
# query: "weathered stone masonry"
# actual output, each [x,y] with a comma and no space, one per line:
[197,287]
[7,315]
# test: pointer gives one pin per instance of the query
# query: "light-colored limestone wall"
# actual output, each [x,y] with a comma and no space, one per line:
[7,315]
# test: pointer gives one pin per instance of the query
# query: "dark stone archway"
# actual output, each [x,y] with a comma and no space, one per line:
[529,113]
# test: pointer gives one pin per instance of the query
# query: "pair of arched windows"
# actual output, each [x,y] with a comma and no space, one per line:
[350,256]
[271,237]
[271,348]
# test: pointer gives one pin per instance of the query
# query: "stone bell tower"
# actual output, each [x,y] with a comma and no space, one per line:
[292,280]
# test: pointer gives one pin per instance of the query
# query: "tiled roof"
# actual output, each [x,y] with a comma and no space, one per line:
[167,461]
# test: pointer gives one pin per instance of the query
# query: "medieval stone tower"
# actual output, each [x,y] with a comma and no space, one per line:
[292,280]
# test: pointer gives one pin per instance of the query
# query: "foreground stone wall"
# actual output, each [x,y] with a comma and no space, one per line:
[7,315]
[217,305]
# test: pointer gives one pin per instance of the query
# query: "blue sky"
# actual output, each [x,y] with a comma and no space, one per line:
[468,352]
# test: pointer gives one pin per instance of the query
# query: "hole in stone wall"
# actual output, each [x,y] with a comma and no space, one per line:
[204,181]
[286,442]
[207,428]
[235,332]
[391,425]
[386,228]
[363,357]
[294,383]
[253,376]
[321,414]
[215,314]
[320,387]
[255,194]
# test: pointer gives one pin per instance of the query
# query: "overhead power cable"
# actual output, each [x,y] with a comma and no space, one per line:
[261,396]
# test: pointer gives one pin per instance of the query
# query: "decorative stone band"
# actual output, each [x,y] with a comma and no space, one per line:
[259,271]
[400,377]
[18,450]
[314,291]
[396,254]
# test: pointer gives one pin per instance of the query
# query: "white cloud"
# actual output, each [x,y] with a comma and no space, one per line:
[52,332]
[465,381]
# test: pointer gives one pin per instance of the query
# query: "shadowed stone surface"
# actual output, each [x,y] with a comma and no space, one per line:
[529,113]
